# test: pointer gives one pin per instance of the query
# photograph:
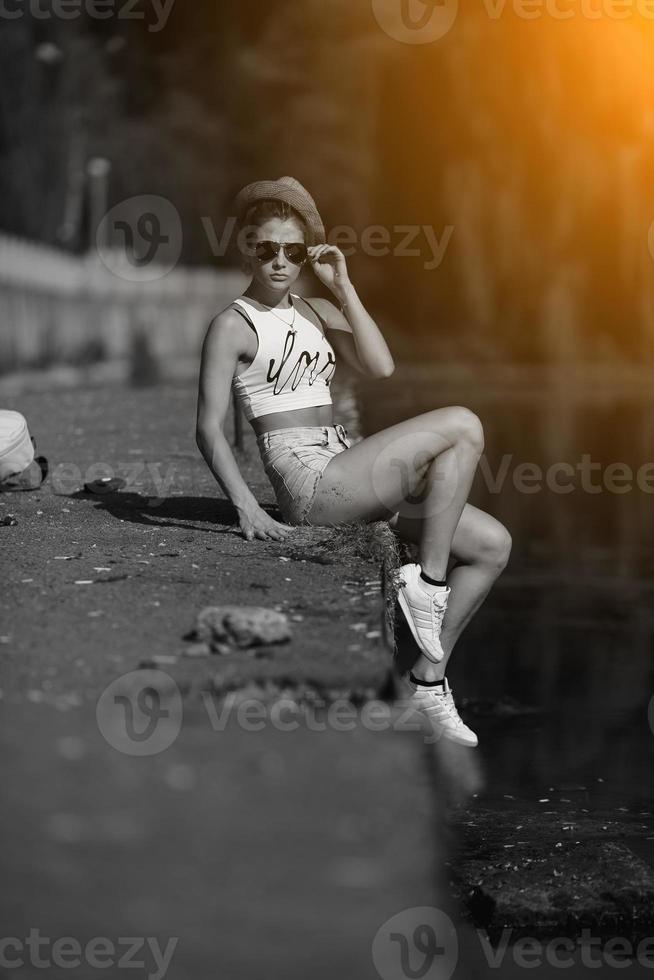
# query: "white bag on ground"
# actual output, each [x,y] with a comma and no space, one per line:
[16,449]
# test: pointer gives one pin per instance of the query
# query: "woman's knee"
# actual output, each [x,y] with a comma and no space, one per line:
[467,426]
[494,544]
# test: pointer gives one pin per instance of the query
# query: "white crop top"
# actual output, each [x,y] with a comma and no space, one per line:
[292,367]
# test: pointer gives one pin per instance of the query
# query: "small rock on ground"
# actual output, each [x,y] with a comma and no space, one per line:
[244,626]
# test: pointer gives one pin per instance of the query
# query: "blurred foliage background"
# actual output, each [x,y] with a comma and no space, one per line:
[530,139]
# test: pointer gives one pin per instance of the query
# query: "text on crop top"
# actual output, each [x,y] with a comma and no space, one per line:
[292,367]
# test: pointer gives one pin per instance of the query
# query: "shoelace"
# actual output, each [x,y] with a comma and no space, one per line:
[439,610]
[448,705]
[451,708]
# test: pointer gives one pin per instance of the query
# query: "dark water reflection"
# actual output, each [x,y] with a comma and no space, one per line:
[558,664]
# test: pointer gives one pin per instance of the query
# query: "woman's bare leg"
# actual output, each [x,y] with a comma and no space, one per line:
[422,467]
[480,549]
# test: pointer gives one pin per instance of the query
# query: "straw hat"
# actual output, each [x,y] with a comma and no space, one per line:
[285,189]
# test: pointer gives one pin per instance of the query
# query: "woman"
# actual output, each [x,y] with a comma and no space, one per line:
[278,352]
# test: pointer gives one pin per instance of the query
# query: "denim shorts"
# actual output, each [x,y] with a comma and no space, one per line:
[294,460]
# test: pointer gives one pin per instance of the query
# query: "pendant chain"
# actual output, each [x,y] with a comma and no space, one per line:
[292,322]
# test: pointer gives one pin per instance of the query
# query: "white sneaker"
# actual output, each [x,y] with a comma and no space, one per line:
[423,609]
[437,706]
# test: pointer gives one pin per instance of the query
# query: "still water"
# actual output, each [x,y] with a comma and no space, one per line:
[558,664]
[555,672]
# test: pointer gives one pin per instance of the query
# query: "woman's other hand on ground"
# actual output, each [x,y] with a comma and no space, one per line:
[258,524]
[328,263]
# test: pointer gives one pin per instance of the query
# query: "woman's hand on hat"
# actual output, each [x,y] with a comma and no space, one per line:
[328,263]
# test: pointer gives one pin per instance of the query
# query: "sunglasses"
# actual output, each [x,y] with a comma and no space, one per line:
[295,252]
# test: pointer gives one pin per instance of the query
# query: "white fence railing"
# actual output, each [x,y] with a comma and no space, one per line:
[55,307]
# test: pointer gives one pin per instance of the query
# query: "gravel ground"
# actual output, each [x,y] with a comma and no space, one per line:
[94,586]
[254,846]
[133,805]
